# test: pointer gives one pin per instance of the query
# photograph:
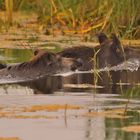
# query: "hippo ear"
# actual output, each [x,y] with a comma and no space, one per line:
[102,37]
[37,51]
[116,41]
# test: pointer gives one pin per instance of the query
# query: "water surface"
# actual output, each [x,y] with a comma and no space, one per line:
[116,90]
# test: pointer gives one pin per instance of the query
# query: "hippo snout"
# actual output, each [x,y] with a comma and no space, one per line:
[77,64]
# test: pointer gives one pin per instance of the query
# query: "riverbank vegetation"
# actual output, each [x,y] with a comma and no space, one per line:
[77,16]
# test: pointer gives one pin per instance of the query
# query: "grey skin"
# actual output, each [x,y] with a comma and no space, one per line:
[111,52]
[108,53]
[44,63]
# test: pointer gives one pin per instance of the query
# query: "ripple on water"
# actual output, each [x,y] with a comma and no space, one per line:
[131,64]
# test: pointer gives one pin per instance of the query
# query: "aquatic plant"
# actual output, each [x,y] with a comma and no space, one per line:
[131,93]
[83,16]
[95,69]
[9,10]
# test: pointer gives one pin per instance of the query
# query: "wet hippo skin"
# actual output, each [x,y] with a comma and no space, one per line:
[108,53]
[44,63]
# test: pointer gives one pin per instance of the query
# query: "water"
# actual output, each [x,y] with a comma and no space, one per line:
[105,106]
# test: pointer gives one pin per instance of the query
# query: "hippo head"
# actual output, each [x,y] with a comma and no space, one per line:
[54,62]
[42,64]
[111,52]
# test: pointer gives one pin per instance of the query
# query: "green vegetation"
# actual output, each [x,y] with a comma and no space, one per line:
[132,93]
[82,16]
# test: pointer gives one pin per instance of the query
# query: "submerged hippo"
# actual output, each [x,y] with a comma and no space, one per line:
[108,53]
[44,63]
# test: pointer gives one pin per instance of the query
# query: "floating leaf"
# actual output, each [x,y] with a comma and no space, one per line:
[133,128]
[34,117]
[81,86]
[116,113]
[53,107]
[134,43]
[9,138]
[122,84]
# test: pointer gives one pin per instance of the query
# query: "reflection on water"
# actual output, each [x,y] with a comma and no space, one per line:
[51,90]
[110,129]
[116,83]
[113,82]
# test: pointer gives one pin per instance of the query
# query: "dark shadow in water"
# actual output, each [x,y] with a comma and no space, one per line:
[47,85]
[113,82]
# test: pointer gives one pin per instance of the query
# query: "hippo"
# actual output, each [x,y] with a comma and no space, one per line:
[42,64]
[108,53]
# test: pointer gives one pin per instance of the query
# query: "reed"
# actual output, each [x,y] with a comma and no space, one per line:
[84,16]
[119,16]
[9,11]
[96,71]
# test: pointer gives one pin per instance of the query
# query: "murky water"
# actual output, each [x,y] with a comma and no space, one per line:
[116,90]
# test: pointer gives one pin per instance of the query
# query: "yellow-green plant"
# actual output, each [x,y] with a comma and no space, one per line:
[119,16]
[95,68]
[9,11]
